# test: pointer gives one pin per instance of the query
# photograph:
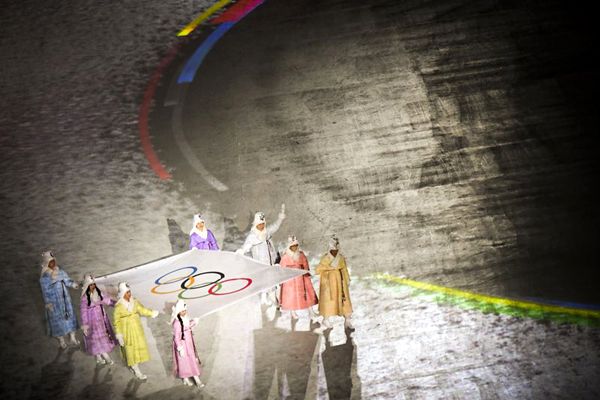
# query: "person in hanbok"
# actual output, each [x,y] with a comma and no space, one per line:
[98,334]
[129,330]
[260,245]
[60,317]
[202,238]
[334,294]
[185,359]
[297,293]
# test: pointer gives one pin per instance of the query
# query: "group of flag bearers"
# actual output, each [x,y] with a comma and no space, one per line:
[101,337]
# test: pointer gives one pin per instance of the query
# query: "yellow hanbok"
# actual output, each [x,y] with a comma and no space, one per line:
[334,295]
[127,323]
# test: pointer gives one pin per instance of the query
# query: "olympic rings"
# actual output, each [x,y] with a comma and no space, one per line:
[181,296]
[185,288]
[158,283]
[188,281]
[204,284]
[229,280]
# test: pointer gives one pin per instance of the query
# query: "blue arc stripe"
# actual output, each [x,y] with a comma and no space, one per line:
[565,303]
[192,65]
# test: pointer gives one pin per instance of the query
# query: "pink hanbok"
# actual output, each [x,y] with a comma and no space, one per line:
[297,293]
[185,360]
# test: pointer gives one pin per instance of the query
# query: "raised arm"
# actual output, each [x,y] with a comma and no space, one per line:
[274,227]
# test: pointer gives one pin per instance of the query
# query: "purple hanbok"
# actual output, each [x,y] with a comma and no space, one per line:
[100,336]
[200,243]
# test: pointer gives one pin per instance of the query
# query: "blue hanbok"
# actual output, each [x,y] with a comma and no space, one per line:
[60,317]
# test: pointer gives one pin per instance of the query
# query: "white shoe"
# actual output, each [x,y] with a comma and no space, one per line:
[138,374]
[186,382]
[319,330]
[62,343]
[100,360]
[314,317]
[348,324]
[198,382]
[74,340]
[107,359]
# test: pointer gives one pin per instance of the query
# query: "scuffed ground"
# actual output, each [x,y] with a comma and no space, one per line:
[435,351]
[73,178]
[72,174]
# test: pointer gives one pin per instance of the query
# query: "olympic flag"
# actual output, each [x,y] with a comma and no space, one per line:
[207,281]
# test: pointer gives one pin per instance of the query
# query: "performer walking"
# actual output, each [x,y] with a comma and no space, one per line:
[60,317]
[186,364]
[202,238]
[129,331]
[99,337]
[334,294]
[298,293]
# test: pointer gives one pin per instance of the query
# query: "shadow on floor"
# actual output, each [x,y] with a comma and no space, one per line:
[55,376]
[339,363]
[291,363]
[99,389]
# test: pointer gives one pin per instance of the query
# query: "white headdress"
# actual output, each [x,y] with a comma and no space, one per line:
[203,233]
[259,218]
[334,243]
[88,279]
[47,256]
[176,309]
[123,288]
[292,241]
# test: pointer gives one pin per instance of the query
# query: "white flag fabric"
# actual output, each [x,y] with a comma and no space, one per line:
[207,281]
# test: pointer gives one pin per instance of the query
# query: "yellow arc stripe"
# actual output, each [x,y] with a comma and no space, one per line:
[491,299]
[203,17]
